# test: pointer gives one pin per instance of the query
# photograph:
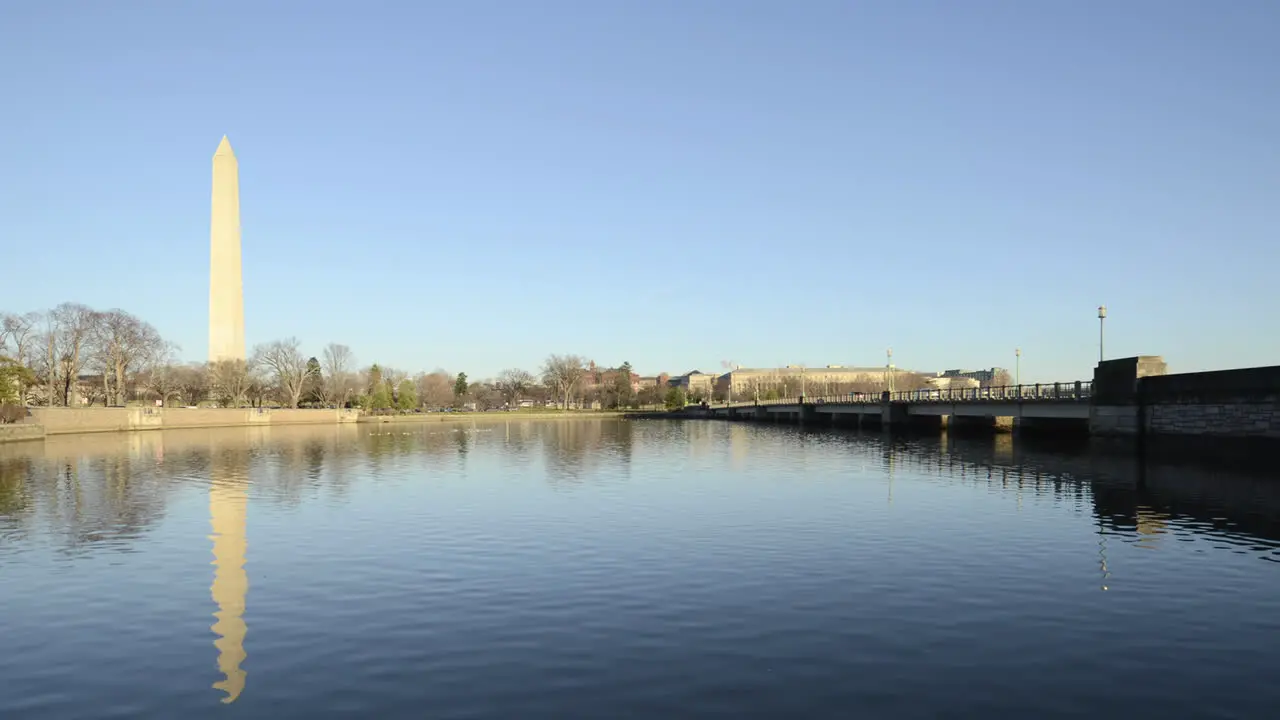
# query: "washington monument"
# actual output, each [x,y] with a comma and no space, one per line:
[226,289]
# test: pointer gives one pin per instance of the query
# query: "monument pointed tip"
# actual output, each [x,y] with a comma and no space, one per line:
[224,147]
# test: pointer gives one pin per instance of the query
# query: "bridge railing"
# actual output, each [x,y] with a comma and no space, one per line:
[1079,390]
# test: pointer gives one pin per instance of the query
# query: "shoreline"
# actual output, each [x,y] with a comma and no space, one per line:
[46,422]
[504,415]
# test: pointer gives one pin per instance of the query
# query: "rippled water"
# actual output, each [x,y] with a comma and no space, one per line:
[564,569]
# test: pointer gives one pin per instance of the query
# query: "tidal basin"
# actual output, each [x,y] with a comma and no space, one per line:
[613,568]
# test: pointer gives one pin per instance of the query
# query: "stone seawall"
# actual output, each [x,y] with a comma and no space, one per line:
[62,421]
[20,432]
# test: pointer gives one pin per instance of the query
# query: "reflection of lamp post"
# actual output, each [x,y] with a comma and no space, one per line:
[1017,367]
[1102,319]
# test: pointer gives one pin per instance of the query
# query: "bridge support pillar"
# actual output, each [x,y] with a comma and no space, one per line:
[808,414]
[1116,407]
[894,413]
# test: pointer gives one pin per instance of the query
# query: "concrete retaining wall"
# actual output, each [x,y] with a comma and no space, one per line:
[21,431]
[61,421]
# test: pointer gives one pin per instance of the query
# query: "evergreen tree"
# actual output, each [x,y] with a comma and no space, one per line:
[675,399]
[379,393]
[460,387]
[380,398]
[406,396]
[312,383]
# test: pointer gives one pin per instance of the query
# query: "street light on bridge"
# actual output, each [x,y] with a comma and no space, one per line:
[1017,366]
[1102,319]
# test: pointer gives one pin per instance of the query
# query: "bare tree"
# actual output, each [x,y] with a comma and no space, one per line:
[193,382]
[164,380]
[229,381]
[1000,378]
[70,325]
[285,365]
[123,342]
[435,389]
[337,360]
[512,384]
[485,395]
[259,385]
[563,373]
[18,338]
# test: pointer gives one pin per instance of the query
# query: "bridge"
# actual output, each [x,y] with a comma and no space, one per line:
[1024,406]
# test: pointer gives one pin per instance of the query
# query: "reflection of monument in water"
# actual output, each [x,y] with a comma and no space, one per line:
[228,502]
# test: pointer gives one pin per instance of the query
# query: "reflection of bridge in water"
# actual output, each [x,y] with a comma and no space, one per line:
[1127,494]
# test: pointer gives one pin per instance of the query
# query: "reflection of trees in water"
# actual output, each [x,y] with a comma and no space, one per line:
[15,496]
[83,502]
[403,447]
[564,448]
[462,438]
[578,449]
[572,448]
[519,441]
[620,436]
[313,452]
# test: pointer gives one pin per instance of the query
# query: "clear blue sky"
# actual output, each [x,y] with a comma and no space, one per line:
[473,185]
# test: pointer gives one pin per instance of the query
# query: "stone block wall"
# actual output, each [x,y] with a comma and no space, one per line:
[1230,403]
[1114,419]
[1230,419]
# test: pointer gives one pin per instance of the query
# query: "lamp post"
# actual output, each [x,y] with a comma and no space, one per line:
[1102,320]
[888,367]
[1017,366]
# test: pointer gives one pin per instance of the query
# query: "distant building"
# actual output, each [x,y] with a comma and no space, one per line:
[693,382]
[945,382]
[792,379]
[982,376]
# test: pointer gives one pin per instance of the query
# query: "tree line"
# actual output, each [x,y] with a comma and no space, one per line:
[74,355]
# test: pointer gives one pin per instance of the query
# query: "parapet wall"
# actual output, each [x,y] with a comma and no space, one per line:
[1133,396]
[1236,403]
[60,421]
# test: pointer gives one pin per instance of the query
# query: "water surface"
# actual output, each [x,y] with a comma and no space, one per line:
[565,569]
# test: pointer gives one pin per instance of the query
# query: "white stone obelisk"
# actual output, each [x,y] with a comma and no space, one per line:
[226,288]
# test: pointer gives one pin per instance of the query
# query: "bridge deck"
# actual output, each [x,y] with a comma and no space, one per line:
[1056,400]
